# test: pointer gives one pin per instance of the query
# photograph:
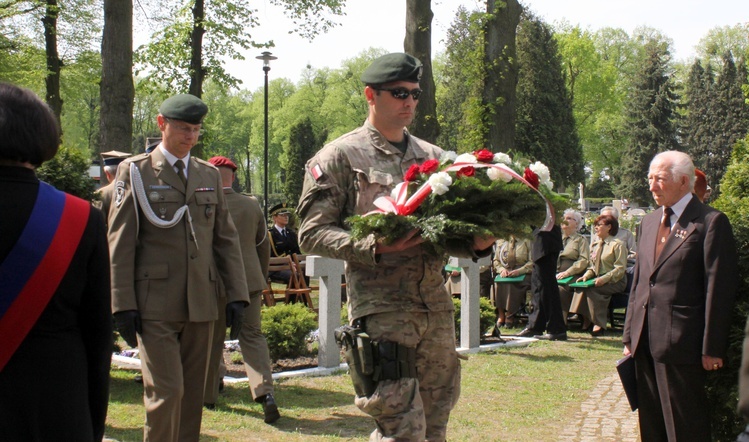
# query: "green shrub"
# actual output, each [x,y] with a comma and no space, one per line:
[286,327]
[487,316]
[722,387]
[236,357]
[68,171]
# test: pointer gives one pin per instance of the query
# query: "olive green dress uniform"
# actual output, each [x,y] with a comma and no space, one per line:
[106,193]
[512,254]
[608,261]
[401,295]
[170,276]
[248,218]
[574,260]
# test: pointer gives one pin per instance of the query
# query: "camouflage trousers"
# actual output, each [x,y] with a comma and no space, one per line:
[415,409]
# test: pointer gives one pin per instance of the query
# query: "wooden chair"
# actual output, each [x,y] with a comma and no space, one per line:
[298,290]
[270,295]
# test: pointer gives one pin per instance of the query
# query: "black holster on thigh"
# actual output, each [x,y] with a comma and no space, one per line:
[370,362]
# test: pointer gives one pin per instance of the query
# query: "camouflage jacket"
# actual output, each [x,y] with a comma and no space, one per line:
[344,179]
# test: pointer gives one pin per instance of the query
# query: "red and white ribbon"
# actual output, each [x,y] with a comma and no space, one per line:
[402,205]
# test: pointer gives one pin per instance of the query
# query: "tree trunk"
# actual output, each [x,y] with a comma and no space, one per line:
[54,64]
[117,91]
[418,42]
[499,97]
[197,71]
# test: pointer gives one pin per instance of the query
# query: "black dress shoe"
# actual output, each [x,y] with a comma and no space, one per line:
[598,332]
[270,409]
[553,336]
[138,378]
[209,406]
[526,333]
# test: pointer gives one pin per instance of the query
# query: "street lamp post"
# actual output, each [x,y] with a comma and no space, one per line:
[266,57]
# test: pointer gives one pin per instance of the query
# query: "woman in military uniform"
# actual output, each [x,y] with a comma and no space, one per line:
[607,265]
[574,257]
[512,260]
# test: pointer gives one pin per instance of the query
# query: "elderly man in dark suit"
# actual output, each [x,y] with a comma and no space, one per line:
[679,308]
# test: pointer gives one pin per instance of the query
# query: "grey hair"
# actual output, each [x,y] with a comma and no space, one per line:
[679,164]
[577,216]
[614,211]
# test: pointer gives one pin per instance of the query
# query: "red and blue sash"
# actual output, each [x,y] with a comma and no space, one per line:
[33,269]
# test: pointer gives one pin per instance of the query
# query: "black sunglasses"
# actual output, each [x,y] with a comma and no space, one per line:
[401,93]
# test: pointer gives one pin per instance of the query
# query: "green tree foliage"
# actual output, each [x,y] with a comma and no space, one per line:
[285,327]
[545,124]
[729,124]
[722,39]
[595,65]
[722,389]
[80,92]
[699,95]
[302,146]
[68,171]
[651,126]
[459,77]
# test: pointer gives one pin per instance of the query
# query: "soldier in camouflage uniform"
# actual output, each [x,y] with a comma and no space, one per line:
[395,291]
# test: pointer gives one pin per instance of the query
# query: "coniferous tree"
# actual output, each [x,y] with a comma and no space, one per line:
[651,114]
[545,126]
[696,128]
[729,125]
[302,146]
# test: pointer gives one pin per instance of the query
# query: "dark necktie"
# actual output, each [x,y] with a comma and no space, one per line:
[663,231]
[180,165]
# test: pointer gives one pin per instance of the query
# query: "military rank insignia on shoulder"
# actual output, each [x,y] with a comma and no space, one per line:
[316,172]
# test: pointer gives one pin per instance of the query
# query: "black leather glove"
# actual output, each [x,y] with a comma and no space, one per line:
[128,324]
[234,315]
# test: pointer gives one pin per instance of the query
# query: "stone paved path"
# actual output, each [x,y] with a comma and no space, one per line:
[604,416]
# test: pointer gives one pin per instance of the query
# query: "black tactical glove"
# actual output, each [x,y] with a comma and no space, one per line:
[128,324]
[234,315]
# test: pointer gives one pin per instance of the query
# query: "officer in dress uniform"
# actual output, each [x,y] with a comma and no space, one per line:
[110,160]
[283,240]
[171,239]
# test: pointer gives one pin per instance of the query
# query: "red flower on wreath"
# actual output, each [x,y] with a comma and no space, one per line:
[531,177]
[412,173]
[429,166]
[484,156]
[467,171]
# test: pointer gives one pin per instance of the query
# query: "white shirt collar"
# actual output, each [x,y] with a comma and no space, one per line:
[679,207]
[173,159]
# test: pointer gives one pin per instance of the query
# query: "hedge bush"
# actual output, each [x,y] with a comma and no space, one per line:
[487,316]
[722,385]
[286,327]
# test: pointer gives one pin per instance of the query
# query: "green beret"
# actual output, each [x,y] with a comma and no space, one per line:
[393,67]
[184,107]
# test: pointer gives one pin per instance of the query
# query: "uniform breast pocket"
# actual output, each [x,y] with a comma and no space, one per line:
[207,202]
[371,185]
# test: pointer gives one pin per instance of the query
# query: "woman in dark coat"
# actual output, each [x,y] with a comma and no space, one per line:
[55,314]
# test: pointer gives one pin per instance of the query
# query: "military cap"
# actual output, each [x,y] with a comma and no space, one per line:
[114,157]
[279,209]
[220,161]
[184,107]
[393,67]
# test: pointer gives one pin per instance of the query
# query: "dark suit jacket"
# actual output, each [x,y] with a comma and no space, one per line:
[56,385]
[283,245]
[688,293]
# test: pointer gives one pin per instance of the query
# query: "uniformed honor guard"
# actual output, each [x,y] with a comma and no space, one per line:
[171,238]
[283,240]
[110,161]
[396,291]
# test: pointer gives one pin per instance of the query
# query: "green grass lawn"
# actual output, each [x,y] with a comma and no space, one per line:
[514,394]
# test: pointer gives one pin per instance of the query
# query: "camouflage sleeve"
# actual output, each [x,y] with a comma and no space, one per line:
[327,199]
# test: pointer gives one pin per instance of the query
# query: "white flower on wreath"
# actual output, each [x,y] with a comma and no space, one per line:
[440,182]
[448,156]
[396,190]
[501,157]
[466,158]
[544,177]
[496,174]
